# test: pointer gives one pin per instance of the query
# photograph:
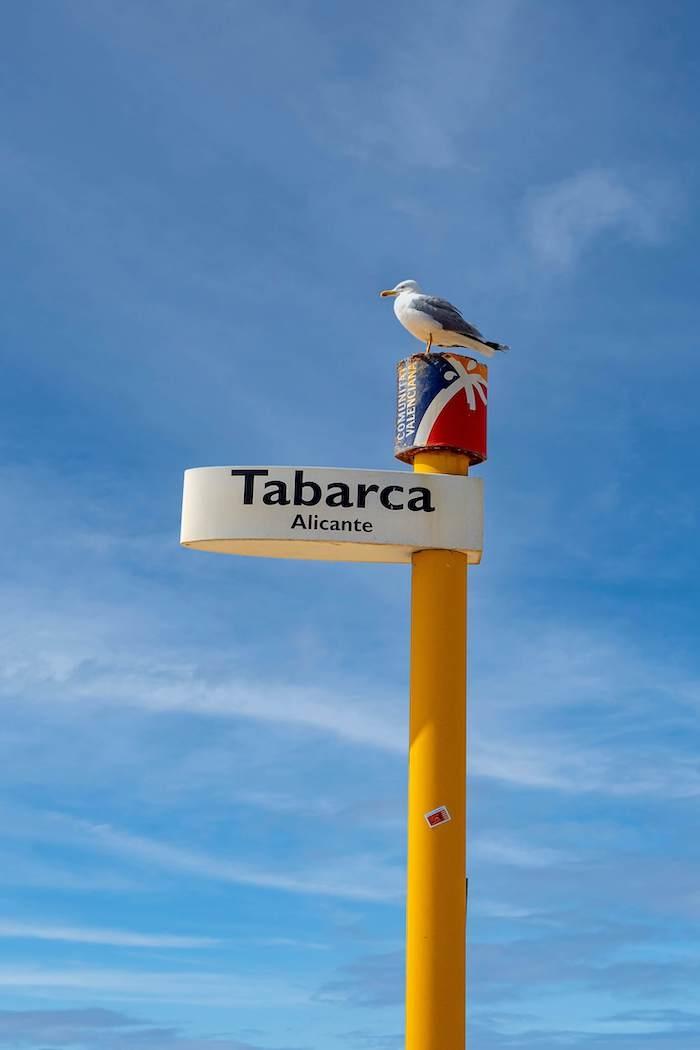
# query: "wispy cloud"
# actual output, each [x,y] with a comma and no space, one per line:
[69,661]
[588,959]
[510,852]
[654,1020]
[395,113]
[73,666]
[18,930]
[352,877]
[554,761]
[51,873]
[360,877]
[372,980]
[98,1029]
[200,987]
[504,1037]
[493,909]
[564,218]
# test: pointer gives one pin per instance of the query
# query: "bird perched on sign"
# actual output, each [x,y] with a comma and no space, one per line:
[436,321]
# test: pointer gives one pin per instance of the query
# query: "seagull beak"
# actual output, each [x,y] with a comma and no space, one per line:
[389,291]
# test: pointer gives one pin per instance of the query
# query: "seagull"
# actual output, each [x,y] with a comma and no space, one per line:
[436,321]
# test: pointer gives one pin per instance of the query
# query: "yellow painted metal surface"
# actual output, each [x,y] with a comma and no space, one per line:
[436,900]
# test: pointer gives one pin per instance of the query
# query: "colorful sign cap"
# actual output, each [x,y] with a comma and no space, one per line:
[441,404]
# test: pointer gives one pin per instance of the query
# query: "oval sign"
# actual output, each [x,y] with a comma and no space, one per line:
[329,513]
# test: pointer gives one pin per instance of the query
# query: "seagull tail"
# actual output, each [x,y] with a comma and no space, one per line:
[498,346]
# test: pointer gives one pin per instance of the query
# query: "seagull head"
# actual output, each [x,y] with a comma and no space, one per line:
[402,286]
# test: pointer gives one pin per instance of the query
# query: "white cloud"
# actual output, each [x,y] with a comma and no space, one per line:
[71,660]
[563,219]
[510,852]
[166,687]
[359,876]
[230,990]
[87,1028]
[561,763]
[492,909]
[46,873]
[422,98]
[18,930]
[71,663]
[72,666]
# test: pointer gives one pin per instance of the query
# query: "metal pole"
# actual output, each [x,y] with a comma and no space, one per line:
[436,903]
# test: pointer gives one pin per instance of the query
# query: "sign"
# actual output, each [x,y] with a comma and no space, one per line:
[330,514]
[441,404]
[438,816]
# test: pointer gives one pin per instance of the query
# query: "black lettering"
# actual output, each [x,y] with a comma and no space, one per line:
[347,525]
[384,497]
[298,522]
[363,491]
[421,501]
[249,483]
[300,485]
[278,494]
[341,498]
[335,526]
[366,526]
[323,524]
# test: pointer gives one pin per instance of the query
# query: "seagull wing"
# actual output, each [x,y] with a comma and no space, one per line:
[447,315]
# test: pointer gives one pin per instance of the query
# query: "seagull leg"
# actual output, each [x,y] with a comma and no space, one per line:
[429,343]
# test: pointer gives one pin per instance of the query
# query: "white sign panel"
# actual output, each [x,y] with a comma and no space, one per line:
[329,513]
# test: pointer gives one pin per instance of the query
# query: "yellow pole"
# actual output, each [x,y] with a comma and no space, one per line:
[436,904]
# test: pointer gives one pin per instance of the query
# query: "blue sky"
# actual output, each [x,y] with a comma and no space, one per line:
[203,759]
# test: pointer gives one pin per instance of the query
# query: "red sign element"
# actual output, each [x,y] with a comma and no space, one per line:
[438,816]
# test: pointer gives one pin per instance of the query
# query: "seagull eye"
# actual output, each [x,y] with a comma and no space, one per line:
[450,375]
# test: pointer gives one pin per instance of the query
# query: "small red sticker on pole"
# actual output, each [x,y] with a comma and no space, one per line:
[438,816]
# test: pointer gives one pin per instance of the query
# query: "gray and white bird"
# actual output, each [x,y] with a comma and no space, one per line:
[434,320]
